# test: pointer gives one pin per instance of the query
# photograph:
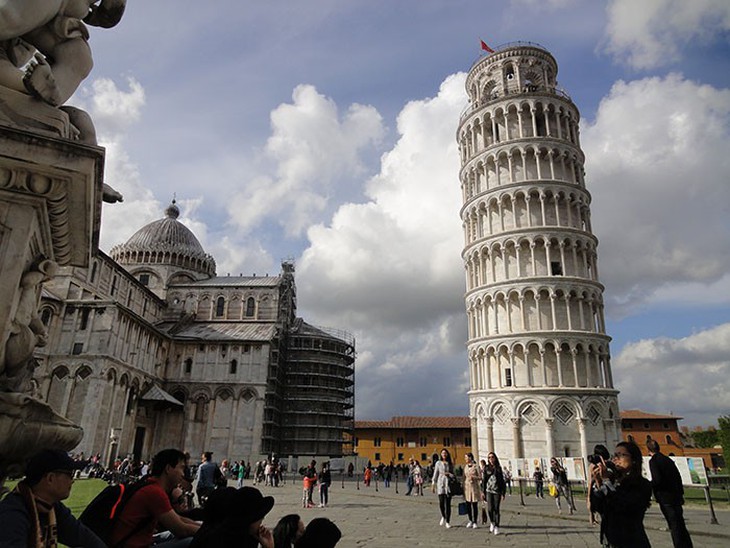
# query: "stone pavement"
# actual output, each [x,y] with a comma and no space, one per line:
[384,519]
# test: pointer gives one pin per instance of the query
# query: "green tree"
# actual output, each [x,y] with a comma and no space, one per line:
[705,438]
[723,435]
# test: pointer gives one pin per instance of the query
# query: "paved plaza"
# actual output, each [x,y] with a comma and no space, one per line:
[384,519]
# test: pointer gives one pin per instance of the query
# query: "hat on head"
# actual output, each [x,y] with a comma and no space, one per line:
[320,533]
[50,460]
[251,505]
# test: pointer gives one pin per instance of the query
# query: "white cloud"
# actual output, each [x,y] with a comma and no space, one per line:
[689,376]
[313,149]
[653,33]
[657,165]
[396,257]
[112,109]
[390,270]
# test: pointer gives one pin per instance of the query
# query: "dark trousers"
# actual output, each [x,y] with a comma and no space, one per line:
[674,515]
[445,507]
[323,493]
[539,490]
[493,500]
[472,509]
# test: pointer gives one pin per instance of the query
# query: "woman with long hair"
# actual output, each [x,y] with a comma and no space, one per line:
[288,530]
[560,481]
[418,478]
[494,489]
[621,495]
[325,480]
[472,490]
[443,471]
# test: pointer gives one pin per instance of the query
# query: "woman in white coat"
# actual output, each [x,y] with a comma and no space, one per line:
[443,471]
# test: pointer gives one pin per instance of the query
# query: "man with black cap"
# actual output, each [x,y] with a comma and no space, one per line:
[33,515]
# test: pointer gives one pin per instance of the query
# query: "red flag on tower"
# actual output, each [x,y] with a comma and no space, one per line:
[485,47]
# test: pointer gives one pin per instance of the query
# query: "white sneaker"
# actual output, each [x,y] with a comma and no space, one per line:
[491,527]
[442,522]
[448,525]
[496,530]
[468,524]
[473,525]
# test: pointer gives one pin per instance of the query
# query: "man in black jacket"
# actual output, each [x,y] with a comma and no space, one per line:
[33,515]
[669,493]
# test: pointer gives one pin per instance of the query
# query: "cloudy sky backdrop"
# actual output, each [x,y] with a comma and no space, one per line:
[324,131]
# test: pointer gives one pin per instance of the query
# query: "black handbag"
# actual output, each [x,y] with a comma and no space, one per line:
[455,488]
[462,509]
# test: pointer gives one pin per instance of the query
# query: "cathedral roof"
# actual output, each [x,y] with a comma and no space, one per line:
[167,233]
[223,331]
[165,241]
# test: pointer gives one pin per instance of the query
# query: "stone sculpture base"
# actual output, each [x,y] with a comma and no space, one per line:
[27,425]
[50,212]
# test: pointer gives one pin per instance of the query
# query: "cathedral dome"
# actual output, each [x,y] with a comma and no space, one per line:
[165,241]
[167,233]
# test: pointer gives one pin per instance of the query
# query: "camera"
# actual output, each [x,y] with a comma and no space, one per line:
[596,460]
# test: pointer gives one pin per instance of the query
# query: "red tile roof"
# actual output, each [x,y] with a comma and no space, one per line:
[416,422]
[638,414]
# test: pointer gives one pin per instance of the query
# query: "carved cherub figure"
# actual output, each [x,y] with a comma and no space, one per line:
[50,39]
[26,330]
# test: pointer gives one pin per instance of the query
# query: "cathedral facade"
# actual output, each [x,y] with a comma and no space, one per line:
[148,348]
[539,361]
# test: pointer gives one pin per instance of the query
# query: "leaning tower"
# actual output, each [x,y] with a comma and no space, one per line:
[539,366]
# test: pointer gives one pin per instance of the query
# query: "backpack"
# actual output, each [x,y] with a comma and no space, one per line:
[101,514]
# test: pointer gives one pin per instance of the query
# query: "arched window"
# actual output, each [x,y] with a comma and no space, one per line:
[220,305]
[199,409]
[132,400]
[46,316]
[250,307]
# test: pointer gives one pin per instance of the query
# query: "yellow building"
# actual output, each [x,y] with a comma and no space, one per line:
[401,438]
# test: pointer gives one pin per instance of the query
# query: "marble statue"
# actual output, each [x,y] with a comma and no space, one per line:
[44,53]
[26,330]
[50,39]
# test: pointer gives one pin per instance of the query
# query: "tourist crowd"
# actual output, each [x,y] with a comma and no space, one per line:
[154,510]
[158,508]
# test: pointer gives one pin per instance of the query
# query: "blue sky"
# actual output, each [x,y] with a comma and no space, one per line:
[325,131]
